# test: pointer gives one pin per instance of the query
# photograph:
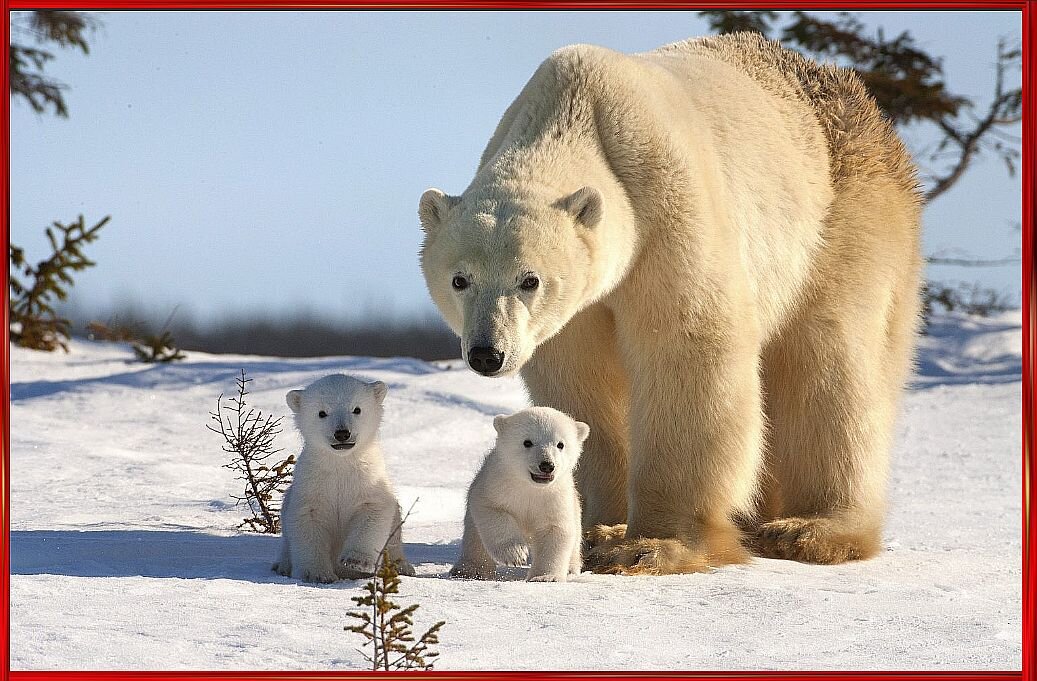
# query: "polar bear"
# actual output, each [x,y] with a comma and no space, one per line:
[523,500]
[710,254]
[340,508]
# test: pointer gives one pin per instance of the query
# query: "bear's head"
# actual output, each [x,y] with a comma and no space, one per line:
[338,413]
[540,444]
[508,269]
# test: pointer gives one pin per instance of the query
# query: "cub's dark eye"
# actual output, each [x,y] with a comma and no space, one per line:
[322,414]
[356,410]
[561,445]
[530,283]
[527,444]
[459,283]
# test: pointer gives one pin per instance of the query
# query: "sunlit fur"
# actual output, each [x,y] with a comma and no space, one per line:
[735,319]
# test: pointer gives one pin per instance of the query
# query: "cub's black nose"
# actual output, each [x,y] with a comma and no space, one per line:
[485,360]
[342,435]
[546,467]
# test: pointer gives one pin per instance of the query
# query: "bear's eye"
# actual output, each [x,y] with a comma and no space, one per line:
[530,283]
[561,445]
[356,410]
[527,444]
[459,283]
[322,414]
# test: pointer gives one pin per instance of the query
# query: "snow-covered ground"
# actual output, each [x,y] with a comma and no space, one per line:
[124,551]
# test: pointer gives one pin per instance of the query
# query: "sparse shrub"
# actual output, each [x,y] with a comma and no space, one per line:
[964,297]
[110,332]
[157,348]
[249,438]
[34,323]
[389,632]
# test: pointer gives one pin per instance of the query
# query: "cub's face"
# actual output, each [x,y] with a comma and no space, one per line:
[540,444]
[338,413]
[508,273]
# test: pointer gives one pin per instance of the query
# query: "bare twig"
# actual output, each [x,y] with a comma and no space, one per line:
[1005,110]
[249,436]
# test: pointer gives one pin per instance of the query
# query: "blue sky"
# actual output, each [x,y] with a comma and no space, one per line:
[272,161]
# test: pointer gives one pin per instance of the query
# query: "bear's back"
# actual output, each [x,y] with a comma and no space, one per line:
[860,140]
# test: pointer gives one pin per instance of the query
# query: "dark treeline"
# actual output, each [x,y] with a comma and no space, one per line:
[297,335]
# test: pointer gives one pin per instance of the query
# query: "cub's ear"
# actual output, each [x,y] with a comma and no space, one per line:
[294,400]
[586,205]
[583,431]
[380,390]
[498,423]
[433,208]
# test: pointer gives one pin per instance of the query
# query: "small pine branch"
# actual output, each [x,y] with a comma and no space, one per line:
[110,331]
[34,322]
[387,626]
[249,437]
[157,348]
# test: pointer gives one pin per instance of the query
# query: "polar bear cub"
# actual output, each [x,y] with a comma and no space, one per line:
[523,500]
[340,508]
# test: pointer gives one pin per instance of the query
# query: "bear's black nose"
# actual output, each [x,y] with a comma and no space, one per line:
[485,360]
[547,467]
[342,435]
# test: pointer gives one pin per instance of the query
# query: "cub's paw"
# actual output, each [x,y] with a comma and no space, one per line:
[546,578]
[466,570]
[510,554]
[814,540]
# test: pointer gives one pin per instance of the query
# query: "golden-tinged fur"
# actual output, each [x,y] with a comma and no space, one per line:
[736,319]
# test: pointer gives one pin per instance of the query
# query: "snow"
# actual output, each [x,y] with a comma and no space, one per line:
[124,552]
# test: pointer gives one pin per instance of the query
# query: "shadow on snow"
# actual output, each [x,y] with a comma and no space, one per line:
[178,376]
[166,554]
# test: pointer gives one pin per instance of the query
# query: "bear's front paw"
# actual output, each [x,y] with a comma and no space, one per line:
[643,556]
[355,568]
[316,575]
[546,578]
[510,554]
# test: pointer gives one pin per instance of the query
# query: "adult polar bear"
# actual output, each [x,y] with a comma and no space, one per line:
[709,253]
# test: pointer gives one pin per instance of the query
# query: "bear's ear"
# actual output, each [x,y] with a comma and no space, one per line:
[586,205]
[380,390]
[433,208]
[583,431]
[294,400]
[498,423]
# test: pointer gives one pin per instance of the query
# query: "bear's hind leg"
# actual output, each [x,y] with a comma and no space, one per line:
[833,381]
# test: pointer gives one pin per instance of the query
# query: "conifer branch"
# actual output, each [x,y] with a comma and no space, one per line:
[249,437]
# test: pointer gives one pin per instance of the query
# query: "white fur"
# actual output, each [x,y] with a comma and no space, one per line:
[340,508]
[708,223]
[511,517]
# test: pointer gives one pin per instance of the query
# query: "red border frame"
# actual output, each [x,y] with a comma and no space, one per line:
[1029,279]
